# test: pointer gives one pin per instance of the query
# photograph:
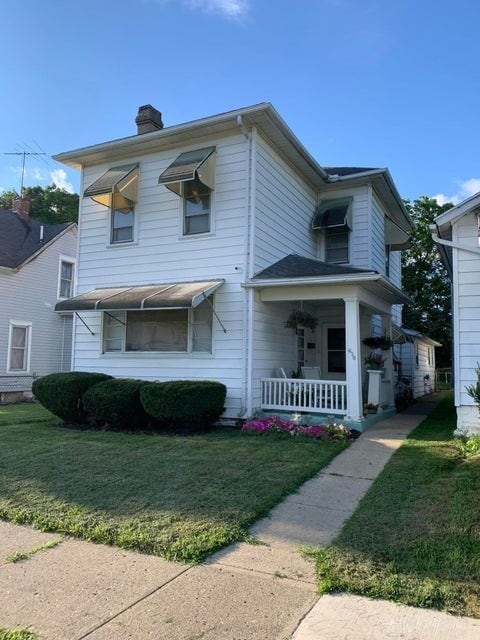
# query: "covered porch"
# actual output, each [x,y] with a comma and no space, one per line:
[339,311]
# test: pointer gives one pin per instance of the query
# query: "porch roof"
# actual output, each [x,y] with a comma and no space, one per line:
[294,266]
[318,280]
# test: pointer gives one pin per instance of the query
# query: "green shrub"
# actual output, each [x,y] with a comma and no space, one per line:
[184,403]
[116,403]
[61,393]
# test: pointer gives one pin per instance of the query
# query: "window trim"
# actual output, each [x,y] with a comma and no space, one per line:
[63,258]
[111,229]
[24,325]
[184,216]
[122,318]
[332,232]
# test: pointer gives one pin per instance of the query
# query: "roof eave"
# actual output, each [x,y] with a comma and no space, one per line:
[389,192]
[263,115]
[342,279]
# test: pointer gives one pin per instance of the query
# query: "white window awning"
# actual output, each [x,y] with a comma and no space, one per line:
[332,213]
[183,295]
[190,165]
[117,188]
[396,237]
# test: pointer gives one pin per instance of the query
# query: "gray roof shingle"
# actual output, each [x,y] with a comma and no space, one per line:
[20,239]
[294,266]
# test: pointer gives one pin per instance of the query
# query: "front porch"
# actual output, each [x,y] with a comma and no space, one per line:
[325,400]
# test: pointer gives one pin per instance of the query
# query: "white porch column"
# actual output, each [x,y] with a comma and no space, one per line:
[353,359]
[389,369]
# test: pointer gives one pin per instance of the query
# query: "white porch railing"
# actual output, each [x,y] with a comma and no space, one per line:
[295,394]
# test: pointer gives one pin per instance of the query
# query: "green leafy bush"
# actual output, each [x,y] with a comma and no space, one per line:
[61,393]
[116,403]
[184,403]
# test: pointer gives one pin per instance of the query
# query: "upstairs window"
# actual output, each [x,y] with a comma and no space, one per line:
[65,277]
[192,176]
[121,225]
[336,245]
[117,189]
[333,217]
[196,208]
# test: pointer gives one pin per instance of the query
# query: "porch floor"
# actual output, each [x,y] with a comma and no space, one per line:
[324,418]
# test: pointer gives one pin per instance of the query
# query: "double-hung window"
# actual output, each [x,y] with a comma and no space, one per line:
[192,177]
[196,208]
[66,277]
[333,217]
[19,340]
[117,189]
[166,330]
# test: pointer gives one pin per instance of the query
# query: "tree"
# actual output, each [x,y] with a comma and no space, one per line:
[426,281]
[51,205]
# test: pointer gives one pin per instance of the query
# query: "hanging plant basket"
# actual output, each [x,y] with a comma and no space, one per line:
[379,342]
[301,319]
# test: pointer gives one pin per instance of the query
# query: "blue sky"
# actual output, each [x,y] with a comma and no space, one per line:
[375,83]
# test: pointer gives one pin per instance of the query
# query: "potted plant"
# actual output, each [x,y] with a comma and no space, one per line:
[301,319]
[375,361]
[378,342]
[370,408]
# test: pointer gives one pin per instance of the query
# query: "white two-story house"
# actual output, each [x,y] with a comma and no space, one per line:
[198,241]
[37,269]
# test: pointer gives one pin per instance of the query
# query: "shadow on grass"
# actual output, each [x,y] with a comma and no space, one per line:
[181,497]
[415,537]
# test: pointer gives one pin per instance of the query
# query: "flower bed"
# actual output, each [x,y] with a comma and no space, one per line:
[275,424]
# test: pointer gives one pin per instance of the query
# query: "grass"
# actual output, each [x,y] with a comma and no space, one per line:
[180,497]
[415,537]
[18,556]
[17,634]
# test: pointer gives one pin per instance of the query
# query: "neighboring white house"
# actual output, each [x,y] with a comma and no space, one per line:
[457,233]
[415,354]
[37,269]
[198,241]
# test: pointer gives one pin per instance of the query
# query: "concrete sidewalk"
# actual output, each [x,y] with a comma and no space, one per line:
[79,590]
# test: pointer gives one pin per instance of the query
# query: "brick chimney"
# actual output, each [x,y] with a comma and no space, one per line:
[148,119]
[21,206]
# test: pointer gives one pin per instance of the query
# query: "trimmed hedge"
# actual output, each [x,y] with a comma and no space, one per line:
[61,393]
[184,403]
[116,403]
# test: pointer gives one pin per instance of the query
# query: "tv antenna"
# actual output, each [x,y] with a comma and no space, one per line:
[23,154]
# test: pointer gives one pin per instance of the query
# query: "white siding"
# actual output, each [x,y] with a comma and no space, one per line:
[160,254]
[284,209]
[466,308]
[30,295]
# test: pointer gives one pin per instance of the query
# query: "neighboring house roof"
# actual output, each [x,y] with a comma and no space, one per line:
[294,266]
[20,238]
[410,335]
[441,230]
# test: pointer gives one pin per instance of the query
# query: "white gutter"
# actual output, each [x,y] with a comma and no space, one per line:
[450,243]
[360,278]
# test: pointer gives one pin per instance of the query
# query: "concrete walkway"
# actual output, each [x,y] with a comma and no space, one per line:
[79,590]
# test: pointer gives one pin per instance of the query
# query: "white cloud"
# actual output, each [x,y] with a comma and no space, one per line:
[59,177]
[234,9]
[466,189]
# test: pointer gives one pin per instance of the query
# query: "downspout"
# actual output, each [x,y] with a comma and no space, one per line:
[246,379]
[450,243]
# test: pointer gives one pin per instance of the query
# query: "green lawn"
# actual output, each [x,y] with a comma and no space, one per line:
[180,497]
[415,537]
[17,634]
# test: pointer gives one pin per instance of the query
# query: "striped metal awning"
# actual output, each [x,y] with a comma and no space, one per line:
[190,165]
[184,295]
